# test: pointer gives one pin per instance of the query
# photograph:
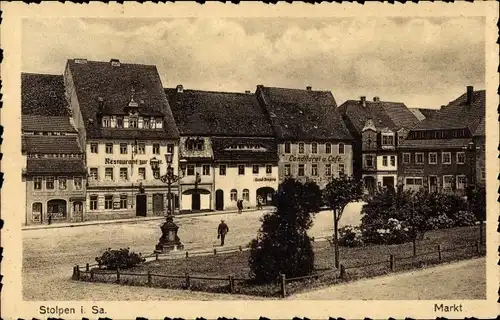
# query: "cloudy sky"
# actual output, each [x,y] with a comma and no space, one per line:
[422,62]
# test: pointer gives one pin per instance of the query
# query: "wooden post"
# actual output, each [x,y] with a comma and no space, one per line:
[414,243]
[73,276]
[241,248]
[439,253]
[87,267]
[283,285]
[188,281]
[149,278]
[342,271]
[215,251]
[78,272]
[117,275]
[231,284]
[478,248]
[187,254]
[391,262]
[156,256]
[92,275]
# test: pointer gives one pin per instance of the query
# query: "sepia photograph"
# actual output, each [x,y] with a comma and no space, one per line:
[259,159]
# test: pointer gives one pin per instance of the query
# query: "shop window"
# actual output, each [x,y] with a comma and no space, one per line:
[123,148]
[109,148]
[302,170]
[241,169]
[341,148]
[206,169]
[142,173]
[108,174]
[328,169]
[287,147]
[156,148]
[222,170]
[37,211]
[62,182]
[255,169]
[37,183]
[123,201]
[123,173]
[93,175]
[49,183]
[314,169]
[234,195]
[301,147]
[246,195]
[314,147]
[269,169]
[433,158]
[446,158]
[108,202]
[460,157]
[287,170]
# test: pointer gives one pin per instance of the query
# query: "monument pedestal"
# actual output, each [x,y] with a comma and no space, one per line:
[169,241]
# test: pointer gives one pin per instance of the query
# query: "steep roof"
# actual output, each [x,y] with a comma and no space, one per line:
[43,95]
[457,114]
[222,152]
[435,144]
[419,114]
[428,113]
[114,84]
[302,115]
[47,123]
[55,166]
[51,144]
[481,128]
[211,113]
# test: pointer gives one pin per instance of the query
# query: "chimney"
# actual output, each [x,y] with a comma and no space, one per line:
[363,101]
[470,95]
[247,91]
[115,62]
[376,99]
[180,88]
[308,88]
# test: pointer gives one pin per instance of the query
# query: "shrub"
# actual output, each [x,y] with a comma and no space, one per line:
[350,236]
[463,218]
[119,258]
[441,221]
[392,231]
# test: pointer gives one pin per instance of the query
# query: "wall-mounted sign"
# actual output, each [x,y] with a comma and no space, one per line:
[413,171]
[127,161]
[265,179]
[307,158]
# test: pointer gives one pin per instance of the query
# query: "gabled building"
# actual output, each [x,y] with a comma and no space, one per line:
[54,173]
[124,120]
[228,147]
[313,142]
[378,127]
[445,153]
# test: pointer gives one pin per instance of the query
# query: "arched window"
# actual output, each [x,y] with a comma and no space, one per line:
[314,147]
[234,195]
[246,195]
[301,147]
[37,211]
[328,148]
[341,148]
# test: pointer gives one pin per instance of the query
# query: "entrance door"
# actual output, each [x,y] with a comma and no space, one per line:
[158,205]
[195,201]
[432,184]
[141,205]
[370,184]
[219,200]
[78,210]
[388,182]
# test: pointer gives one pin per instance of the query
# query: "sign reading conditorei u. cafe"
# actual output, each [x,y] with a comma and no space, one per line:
[307,158]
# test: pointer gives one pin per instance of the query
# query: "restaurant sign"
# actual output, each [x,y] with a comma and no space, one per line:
[126,161]
[307,158]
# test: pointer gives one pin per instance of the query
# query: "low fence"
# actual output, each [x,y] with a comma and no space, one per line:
[187,281]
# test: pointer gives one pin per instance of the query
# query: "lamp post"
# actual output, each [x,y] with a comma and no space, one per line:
[169,239]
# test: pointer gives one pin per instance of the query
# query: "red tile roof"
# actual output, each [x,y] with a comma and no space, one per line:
[43,95]
[47,123]
[51,144]
[55,166]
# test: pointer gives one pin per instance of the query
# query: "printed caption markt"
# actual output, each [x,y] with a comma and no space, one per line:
[448,308]
[59,311]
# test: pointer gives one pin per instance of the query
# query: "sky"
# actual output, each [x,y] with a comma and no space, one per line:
[423,62]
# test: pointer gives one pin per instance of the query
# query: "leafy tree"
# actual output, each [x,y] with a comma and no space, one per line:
[282,245]
[477,202]
[338,193]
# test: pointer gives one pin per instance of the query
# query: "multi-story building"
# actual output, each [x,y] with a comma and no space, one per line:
[313,142]
[55,174]
[228,148]
[124,121]
[379,127]
[445,153]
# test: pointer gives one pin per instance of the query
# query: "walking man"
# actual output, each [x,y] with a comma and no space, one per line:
[222,231]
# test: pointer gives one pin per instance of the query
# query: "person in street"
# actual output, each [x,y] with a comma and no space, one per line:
[259,203]
[240,205]
[49,218]
[222,230]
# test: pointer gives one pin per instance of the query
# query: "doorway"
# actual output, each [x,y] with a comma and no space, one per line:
[266,195]
[78,210]
[141,205]
[57,209]
[195,201]
[432,184]
[219,200]
[388,182]
[369,184]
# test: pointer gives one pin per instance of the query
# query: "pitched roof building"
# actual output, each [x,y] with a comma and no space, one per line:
[43,95]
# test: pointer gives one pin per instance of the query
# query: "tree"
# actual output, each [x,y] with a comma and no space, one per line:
[282,245]
[338,193]
[477,202]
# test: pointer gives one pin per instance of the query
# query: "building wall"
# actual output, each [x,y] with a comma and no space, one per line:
[206,183]
[480,143]
[321,158]
[249,181]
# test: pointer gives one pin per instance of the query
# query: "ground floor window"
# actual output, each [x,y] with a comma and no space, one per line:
[123,201]
[414,182]
[461,182]
[246,195]
[37,211]
[234,195]
[57,209]
[93,202]
[287,170]
[328,169]
[447,182]
[301,172]
[108,202]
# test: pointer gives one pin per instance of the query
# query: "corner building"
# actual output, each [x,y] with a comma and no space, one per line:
[313,142]
[123,120]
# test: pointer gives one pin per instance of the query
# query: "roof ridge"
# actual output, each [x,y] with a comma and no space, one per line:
[41,74]
[211,91]
[121,63]
[298,89]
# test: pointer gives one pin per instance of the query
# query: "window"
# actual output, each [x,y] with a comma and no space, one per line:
[302,169]
[108,202]
[77,183]
[406,158]
[384,161]
[314,147]
[49,183]
[287,170]
[387,139]
[341,169]
[447,182]
[93,202]
[301,147]
[460,157]
[269,169]
[141,148]
[62,181]
[461,182]
[255,169]
[37,211]
[142,173]
[156,148]
[433,158]
[119,122]
[93,174]
[328,148]
[393,161]
[108,174]
[206,169]
[123,148]
[241,169]
[234,195]
[314,169]
[190,169]
[94,147]
[446,157]
[156,173]
[159,123]
[246,195]
[419,158]
[132,123]
[412,182]
[341,148]
[123,173]
[170,148]
[106,122]
[287,147]
[147,124]
[123,201]
[222,170]
[37,183]
[328,169]
[369,161]
[109,148]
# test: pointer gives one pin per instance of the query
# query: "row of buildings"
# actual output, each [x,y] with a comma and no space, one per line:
[90,135]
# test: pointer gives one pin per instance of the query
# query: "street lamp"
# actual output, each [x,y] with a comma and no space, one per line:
[169,239]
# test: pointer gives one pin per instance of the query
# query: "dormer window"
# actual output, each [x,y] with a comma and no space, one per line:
[119,122]
[195,144]
[146,123]
[159,123]
[132,123]
[106,122]
[387,139]
[52,94]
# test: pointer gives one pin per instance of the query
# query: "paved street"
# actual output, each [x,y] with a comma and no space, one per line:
[49,254]
[464,280]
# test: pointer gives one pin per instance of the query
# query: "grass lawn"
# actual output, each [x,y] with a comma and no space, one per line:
[359,262]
